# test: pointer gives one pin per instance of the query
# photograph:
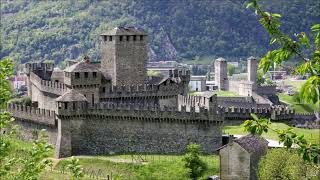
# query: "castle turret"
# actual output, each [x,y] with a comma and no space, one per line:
[69,104]
[221,77]
[124,55]
[84,77]
[252,72]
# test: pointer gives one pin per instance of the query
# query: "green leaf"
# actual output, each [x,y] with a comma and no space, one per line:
[276,15]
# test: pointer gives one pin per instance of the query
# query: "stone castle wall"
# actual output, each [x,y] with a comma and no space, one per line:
[103,135]
[266,89]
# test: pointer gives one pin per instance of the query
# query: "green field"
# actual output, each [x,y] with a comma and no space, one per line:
[296,84]
[311,134]
[125,166]
[132,167]
[298,107]
[219,93]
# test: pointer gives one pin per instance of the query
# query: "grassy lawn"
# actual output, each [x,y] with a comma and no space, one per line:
[311,134]
[299,108]
[296,84]
[127,167]
[219,93]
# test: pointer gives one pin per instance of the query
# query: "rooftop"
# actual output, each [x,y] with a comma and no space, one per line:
[71,96]
[82,66]
[125,31]
[252,143]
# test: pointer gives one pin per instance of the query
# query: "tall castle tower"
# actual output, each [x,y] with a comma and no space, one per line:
[252,72]
[124,55]
[221,76]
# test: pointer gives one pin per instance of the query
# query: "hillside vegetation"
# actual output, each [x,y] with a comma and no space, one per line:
[58,30]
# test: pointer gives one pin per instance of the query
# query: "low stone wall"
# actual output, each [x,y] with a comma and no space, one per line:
[36,115]
[47,86]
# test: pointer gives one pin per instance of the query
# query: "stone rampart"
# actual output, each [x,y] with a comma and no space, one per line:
[147,112]
[236,113]
[245,102]
[47,86]
[281,113]
[194,101]
[36,115]
[266,89]
[144,90]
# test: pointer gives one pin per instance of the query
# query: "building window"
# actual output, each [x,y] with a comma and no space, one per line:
[86,74]
[94,74]
[141,38]
[65,105]
[110,38]
[104,89]
[134,38]
[73,105]
[105,38]
[128,38]
[121,37]
[92,99]
[77,75]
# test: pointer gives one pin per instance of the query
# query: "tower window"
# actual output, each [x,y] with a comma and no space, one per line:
[77,75]
[73,105]
[110,38]
[141,38]
[66,105]
[134,38]
[92,99]
[94,74]
[104,89]
[86,74]
[105,38]
[121,37]
[128,38]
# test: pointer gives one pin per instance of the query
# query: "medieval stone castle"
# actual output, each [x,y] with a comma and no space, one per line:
[113,107]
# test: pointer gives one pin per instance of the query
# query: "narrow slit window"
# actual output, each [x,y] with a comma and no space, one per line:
[110,38]
[134,38]
[86,74]
[94,74]
[128,38]
[105,38]
[121,37]
[77,75]
[141,38]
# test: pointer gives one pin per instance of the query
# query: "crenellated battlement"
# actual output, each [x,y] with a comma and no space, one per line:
[146,111]
[144,90]
[275,113]
[41,116]
[48,86]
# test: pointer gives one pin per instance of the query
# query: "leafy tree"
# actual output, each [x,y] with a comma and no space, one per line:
[36,160]
[260,78]
[6,69]
[193,162]
[231,69]
[75,168]
[285,164]
[310,91]
[289,48]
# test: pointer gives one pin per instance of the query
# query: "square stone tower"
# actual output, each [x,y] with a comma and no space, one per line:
[252,71]
[124,55]
[221,76]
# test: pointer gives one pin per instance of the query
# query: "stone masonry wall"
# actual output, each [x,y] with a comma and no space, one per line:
[109,135]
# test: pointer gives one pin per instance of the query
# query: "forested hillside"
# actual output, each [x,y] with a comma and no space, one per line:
[34,31]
